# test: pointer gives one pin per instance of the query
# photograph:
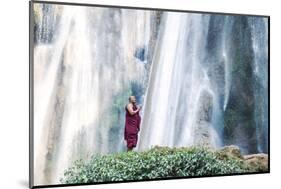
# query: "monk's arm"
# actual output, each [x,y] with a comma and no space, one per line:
[130,109]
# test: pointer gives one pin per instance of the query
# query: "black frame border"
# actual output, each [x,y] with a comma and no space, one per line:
[31,90]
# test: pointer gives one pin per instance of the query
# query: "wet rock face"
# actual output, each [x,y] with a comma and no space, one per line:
[46,22]
[239,116]
[205,108]
[204,116]
[141,54]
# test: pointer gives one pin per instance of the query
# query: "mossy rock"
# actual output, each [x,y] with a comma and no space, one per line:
[231,151]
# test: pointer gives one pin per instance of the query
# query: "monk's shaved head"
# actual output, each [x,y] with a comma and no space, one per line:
[132,99]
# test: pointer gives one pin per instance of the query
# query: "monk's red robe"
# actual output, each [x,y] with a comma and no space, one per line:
[132,127]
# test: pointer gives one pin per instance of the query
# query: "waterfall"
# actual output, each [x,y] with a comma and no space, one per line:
[202,80]
[180,102]
[47,59]
[79,75]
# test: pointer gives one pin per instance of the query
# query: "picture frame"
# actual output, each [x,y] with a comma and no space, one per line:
[232,107]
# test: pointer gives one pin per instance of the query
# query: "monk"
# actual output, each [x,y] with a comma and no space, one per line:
[132,123]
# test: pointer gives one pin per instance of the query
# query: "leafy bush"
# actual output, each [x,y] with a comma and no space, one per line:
[159,162]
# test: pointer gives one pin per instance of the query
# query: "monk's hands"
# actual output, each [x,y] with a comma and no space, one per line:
[139,107]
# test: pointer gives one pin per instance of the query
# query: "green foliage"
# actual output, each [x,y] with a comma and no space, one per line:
[159,162]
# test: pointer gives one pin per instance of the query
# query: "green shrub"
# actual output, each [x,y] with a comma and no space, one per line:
[159,162]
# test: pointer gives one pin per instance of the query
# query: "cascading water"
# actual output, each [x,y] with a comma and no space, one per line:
[195,74]
[180,99]
[47,60]
[192,93]
[261,79]
[92,62]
